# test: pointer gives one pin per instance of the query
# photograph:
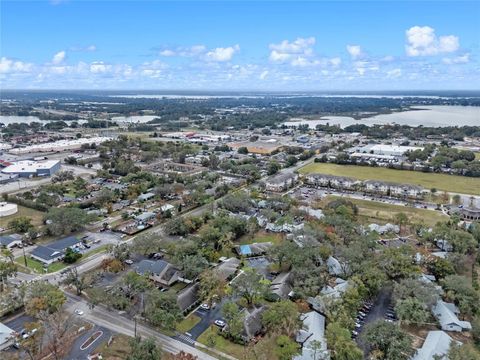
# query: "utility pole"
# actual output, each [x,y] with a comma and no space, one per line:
[24,256]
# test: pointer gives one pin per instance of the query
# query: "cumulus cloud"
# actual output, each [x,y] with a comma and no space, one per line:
[394,73]
[461,59]
[10,66]
[99,67]
[354,50]
[335,61]
[222,54]
[422,41]
[59,57]
[296,51]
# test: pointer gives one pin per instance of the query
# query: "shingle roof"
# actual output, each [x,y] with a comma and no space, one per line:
[53,250]
[436,343]
[8,239]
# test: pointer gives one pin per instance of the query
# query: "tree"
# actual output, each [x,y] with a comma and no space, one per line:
[457,199]
[441,267]
[146,243]
[401,219]
[426,293]
[21,224]
[458,289]
[79,282]
[273,167]
[249,285]
[286,348]
[144,350]
[58,327]
[161,309]
[242,150]
[211,286]
[234,318]
[291,160]
[389,340]
[398,263]
[43,298]
[7,269]
[341,345]
[193,265]
[412,311]
[65,220]
[282,318]
[120,252]
[462,352]
[71,256]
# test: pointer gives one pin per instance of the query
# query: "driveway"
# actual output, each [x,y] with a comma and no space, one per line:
[207,318]
[77,354]
[380,306]
[18,322]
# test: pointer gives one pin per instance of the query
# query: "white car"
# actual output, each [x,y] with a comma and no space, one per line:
[220,323]
[129,262]
[79,312]
[205,306]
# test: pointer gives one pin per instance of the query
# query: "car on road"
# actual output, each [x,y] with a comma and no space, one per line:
[220,323]
[129,262]
[79,312]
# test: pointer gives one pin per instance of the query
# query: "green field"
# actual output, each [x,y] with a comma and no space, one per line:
[444,182]
[35,215]
[37,267]
[188,323]
[373,211]
[221,343]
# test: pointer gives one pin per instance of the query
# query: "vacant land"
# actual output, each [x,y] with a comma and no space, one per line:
[262,237]
[459,184]
[35,215]
[373,211]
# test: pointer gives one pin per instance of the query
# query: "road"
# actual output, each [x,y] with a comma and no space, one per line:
[119,324]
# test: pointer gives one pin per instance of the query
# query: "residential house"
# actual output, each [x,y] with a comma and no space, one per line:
[227,268]
[159,271]
[336,291]
[145,217]
[280,286]
[255,249]
[54,251]
[145,197]
[7,337]
[406,190]
[446,314]
[435,347]
[252,323]
[187,298]
[281,182]
[377,187]
[312,337]
[10,241]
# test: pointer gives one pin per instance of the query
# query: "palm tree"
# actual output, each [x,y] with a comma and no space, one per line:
[8,254]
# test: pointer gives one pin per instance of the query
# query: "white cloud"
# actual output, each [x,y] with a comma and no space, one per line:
[263,75]
[167,53]
[296,51]
[99,67]
[335,61]
[354,50]
[9,66]
[461,59]
[59,57]
[91,48]
[222,54]
[422,41]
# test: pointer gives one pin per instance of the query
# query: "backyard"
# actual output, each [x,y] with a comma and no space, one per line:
[35,215]
[37,267]
[444,182]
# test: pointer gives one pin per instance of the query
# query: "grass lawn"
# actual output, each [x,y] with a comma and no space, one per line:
[118,349]
[373,210]
[35,215]
[188,323]
[37,266]
[460,184]
[93,252]
[477,156]
[263,236]
[221,343]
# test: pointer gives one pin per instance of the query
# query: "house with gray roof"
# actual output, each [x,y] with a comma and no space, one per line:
[336,291]
[159,271]
[447,316]
[281,182]
[280,286]
[146,196]
[227,268]
[7,337]
[55,251]
[252,323]
[187,298]
[436,346]
[10,241]
[312,333]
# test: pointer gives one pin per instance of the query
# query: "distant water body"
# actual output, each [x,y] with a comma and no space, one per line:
[11,119]
[431,116]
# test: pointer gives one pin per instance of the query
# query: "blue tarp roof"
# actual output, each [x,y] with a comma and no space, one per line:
[245,250]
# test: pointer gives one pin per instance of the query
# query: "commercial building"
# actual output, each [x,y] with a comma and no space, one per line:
[60,145]
[30,168]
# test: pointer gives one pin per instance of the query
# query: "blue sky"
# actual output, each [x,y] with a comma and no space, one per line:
[249,45]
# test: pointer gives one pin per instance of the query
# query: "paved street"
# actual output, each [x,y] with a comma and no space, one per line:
[76,353]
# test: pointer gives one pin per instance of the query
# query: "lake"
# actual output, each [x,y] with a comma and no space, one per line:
[139,119]
[11,119]
[434,116]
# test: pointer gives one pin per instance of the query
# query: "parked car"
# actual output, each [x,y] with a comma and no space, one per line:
[79,312]
[129,262]
[220,323]
[205,306]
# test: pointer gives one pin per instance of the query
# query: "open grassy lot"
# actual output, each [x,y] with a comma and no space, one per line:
[37,267]
[119,348]
[188,323]
[221,343]
[95,251]
[460,184]
[373,211]
[261,237]
[35,215]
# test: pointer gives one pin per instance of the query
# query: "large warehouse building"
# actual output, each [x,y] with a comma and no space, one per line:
[29,168]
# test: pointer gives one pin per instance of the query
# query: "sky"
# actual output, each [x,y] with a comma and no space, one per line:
[247,45]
